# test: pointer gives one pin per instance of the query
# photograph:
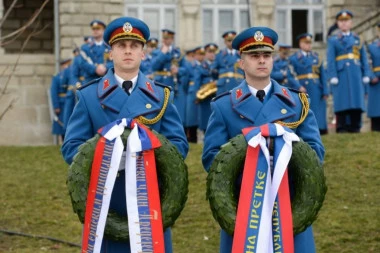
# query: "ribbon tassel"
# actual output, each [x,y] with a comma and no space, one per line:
[264,219]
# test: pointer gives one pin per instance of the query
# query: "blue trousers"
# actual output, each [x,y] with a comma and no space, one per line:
[303,242]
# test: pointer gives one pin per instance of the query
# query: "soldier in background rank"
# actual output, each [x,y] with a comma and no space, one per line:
[206,85]
[347,70]
[226,65]
[124,92]
[146,64]
[312,75]
[192,111]
[373,111]
[58,91]
[282,71]
[165,62]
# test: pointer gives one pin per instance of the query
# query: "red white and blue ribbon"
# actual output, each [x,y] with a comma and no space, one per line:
[264,217]
[142,193]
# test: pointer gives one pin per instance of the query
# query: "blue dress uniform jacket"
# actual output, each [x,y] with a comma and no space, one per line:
[146,66]
[203,77]
[226,69]
[58,91]
[238,109]
[182,88]
[347,61]
[374,89]
[283,73]
[192,111]
[161,64]
[98,105]
[312,75]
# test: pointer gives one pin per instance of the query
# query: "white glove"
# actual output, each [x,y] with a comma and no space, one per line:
[334,80]
[365,79]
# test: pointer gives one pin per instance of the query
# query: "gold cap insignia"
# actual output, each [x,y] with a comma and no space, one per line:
[259,36]
[127,27]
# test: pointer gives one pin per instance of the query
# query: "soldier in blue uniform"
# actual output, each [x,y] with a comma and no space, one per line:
[241,108]
[312,75]
[347,70]
[226,65]
[146,64]
[92,62]
[373,110]
[124,92]
[282,70]
[205,85]
[192,104]
[165,62]
[58,91]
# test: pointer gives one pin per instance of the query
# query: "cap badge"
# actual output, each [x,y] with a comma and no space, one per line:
[259,36]
[95,24]
[308,37]
[127,27]
[344,14]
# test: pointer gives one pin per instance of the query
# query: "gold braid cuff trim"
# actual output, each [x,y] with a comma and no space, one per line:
[145,121]
[305,111]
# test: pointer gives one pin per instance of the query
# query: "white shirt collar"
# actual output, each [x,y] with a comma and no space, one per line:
[254,90]
[231,51]
[304,53]
[98,43]
[346,33]
[120,81]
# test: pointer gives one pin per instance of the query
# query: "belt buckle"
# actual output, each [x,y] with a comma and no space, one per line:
[230,74]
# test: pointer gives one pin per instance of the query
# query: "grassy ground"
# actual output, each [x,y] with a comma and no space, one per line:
[34,200]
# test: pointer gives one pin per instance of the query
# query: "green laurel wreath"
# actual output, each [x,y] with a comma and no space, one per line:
[305,170]
[171,171]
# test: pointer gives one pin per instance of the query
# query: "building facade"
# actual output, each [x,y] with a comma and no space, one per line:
[25,75]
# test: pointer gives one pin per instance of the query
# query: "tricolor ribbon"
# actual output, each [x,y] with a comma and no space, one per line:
[142,193]
[264,216]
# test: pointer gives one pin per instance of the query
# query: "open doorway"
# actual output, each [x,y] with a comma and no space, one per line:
[299,24]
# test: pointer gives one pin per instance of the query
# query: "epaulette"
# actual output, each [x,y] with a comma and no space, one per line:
[89,83]
[221,95]
[297,91]
[163,85]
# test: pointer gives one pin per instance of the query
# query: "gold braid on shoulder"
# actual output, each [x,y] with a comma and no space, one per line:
[305,111]
[145,121]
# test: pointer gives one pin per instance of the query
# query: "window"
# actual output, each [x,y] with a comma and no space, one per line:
[157,14]
[219,16]
[294,17]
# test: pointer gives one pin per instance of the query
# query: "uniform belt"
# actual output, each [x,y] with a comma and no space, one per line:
[231,74]
[163,73]
[61,95]
[376,69]
[308,76]
[347,56]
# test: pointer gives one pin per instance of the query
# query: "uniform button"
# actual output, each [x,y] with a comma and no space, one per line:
[148,106]
[283,111]
[307,82]
[228,80]
[241,116]
[103,107]
[347,64]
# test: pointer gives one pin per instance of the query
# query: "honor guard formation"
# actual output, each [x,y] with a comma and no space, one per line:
[350,72]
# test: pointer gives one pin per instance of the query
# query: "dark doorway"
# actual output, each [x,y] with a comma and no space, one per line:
[299,24]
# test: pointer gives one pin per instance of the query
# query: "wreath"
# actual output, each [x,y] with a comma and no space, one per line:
[305,170]
[173,185]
